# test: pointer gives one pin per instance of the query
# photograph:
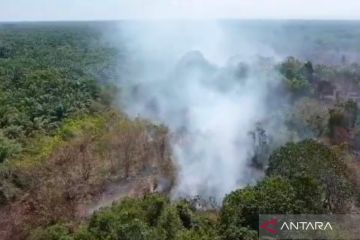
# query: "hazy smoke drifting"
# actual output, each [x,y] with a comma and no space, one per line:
[209,89]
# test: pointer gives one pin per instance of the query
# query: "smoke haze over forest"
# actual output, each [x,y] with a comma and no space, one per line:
[208,84]
[106,126]
[43,10]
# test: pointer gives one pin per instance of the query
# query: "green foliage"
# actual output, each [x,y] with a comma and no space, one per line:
[39,148]
[55,232]
[298,86]
[8,148]
[274,195]
[84,234]
[171,223]
[242,207]
[154,206]
[234,232]
[297,76]
[198,234]
[132,219]
[152,218]
[48,74]
[310,159]
[309,195]
[291,68]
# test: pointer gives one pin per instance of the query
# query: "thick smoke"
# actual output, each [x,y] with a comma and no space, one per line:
[210,90]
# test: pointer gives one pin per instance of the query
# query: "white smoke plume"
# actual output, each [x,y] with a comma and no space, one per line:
[210,88]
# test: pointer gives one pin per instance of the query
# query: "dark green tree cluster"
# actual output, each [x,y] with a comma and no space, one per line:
[298,76]
[314,160]
[47,74]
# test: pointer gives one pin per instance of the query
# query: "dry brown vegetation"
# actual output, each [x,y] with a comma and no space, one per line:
[77,174]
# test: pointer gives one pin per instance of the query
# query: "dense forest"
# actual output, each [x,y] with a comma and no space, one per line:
[74,166]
